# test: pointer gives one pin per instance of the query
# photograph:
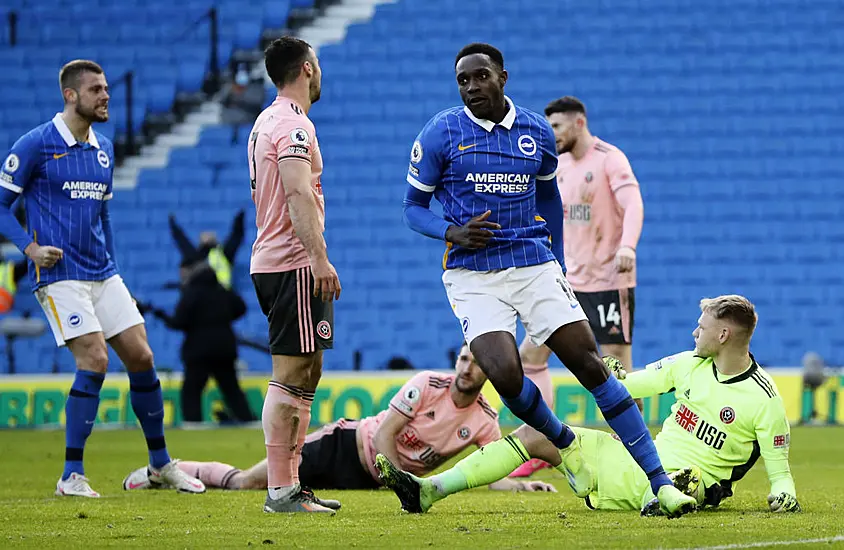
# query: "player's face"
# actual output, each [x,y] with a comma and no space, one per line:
[470,377]
[481,84]
[92,97]
[709,336]
[316,78]
[565,129]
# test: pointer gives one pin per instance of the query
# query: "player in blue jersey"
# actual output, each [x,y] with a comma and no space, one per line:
[492,164]
[63,171]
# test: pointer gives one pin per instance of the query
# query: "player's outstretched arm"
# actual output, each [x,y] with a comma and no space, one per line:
[774,437]
[527,486]
[654,379]
[296,178]
[384,439]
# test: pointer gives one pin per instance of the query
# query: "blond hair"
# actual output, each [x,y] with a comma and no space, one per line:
[736,309]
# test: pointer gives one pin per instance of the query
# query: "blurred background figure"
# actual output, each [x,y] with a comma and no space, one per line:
[220,257]
[814,376]
[205,313]
[243,101]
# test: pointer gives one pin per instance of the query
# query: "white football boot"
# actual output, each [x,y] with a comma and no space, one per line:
[75,486]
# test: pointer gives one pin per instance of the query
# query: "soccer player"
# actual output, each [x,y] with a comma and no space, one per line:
[63,169]
[603,215]
[293,278]
[728,413]
[491,165]
[432,418]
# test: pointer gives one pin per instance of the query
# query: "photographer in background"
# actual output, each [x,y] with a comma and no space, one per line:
[205,313]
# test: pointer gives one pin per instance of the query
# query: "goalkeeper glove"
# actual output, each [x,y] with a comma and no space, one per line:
[615,366]
[783,502]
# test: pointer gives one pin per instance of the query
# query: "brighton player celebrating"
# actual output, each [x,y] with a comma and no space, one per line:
[433,417]
[728,413]
[63,169]
[491,165]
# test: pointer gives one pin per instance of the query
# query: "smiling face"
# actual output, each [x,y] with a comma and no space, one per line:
[481,84]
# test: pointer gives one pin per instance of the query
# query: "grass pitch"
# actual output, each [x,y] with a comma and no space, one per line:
[30,516]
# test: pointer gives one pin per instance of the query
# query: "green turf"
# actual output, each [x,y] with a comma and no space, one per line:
[31,516]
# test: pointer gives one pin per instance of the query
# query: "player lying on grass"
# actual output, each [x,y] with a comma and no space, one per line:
[432,418]
[728,413]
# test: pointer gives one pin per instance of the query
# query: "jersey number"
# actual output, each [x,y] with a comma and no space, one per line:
[253,179]
[612,315]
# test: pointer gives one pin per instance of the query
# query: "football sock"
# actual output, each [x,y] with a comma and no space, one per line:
[148,404]
[531,409]
[80,413]
[486,465]
[623,416]
[212,474]
[280,418]
[304,405]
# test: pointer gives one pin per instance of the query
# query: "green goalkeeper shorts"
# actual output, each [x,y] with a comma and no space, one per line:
[622,485]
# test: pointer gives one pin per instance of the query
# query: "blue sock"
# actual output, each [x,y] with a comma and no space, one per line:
[148,404]
[623,416]
[531,409]
[80,413]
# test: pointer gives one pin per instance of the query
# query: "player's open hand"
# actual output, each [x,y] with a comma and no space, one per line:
[625,259]
[326,281]
[44,256]
[536,486]
[475,234]
[783,502]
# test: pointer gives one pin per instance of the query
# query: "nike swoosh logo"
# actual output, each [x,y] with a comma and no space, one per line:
[135,485]
[462,148]
[57,157]
[637,440]
[156,413]
[89,422]
[574,306]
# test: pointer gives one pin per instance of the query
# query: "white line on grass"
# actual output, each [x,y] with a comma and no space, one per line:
[837,538]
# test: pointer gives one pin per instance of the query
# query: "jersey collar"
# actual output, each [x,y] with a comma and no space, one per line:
[67,136]
[754,366]
[488,125]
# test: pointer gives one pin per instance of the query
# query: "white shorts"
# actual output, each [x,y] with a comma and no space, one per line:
[74,308]
[490,301]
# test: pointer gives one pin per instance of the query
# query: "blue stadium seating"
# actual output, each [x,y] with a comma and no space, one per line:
[733,126]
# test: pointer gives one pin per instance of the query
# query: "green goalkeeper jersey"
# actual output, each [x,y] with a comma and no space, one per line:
[721,424]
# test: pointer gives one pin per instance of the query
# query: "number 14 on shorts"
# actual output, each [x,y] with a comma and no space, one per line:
[609,314]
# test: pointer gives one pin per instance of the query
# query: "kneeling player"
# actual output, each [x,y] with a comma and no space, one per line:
[432,418]
[728,413]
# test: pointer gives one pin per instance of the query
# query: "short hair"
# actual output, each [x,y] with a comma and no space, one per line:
[734,308]
[567,104]
[283,59]
[479,47]
[70,74]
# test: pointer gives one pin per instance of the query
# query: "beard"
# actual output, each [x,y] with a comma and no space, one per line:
[315,91]
[90,114]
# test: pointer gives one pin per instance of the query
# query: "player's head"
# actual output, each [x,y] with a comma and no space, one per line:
[470,377]
[725,321]
[567,117]
[290,61]
[480,78]
[85,90]
[208,238]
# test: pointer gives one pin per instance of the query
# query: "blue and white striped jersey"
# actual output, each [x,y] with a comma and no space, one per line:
[473,165]
[64,184]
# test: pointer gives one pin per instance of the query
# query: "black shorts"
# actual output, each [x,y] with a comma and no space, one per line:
[300,323]
[330,459]
[610,314]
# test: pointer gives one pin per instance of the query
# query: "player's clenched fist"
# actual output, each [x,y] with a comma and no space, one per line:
[783,502]
[475,234]
[44,256]
[326,281]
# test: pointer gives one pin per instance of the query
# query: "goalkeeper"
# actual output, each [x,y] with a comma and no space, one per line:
[728,413]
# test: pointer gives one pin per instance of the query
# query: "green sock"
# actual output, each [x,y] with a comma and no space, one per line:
[486,465]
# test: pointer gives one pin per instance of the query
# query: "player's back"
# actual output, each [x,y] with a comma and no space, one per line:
[472,166]
[282,131]
[593,218]
[64,184]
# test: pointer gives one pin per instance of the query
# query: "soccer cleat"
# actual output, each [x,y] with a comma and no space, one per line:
[171,475]
[327,502]
[578,473]
[75,486]
[529,468]
[413,492]
[671,502]
[139,479]
[299,501]
[688,480]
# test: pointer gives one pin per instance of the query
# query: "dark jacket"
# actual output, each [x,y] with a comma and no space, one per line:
[205,313]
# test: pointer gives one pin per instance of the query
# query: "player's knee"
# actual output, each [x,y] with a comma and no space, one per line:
[143,359]
[93,358]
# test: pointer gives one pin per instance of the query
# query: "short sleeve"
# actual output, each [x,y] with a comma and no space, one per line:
[408,401]
[619,172]
[548,149]
[294,139]
[426,158]
[19,164]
